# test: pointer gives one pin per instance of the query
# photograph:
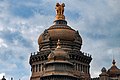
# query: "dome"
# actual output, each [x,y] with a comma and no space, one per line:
[113,70]
[58,54]
[104,73]
[60,30]
[103,69]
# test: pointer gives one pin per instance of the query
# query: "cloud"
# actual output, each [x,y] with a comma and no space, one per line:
[2,43]
[21,22]
[22,11]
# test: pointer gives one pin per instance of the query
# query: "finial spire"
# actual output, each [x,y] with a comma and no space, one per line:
[60,11]
[11,78]
[113,62]
[58,44]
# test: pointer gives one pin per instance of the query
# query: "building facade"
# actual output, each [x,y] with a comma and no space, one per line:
[60,56]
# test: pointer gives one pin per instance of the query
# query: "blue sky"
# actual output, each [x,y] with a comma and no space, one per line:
[22,21]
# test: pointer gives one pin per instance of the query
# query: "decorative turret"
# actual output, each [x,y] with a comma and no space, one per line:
[103,69]
[103,75]
[113,71]
[113,62]
[3,78]
[58,53]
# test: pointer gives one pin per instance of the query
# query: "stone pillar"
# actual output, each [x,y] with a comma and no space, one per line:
[76,67]
[42,67]
[36,68]
[33,68]
[83,68]
[39,67]
[86,69]
[80,67]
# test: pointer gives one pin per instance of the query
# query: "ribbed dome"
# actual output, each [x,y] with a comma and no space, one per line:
[61,31]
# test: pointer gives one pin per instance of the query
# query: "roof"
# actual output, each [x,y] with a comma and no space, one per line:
[113,70]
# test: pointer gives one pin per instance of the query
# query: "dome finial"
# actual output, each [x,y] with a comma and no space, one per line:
[113,62]
[60,11]
[103,69]
[58,44]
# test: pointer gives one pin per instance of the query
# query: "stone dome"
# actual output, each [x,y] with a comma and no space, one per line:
[70,38]
[58,54]
[104,72]
[113,70]
[103,69]
[60,30]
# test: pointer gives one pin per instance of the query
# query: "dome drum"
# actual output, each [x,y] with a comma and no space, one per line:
[59,22]
[60,77]
[65,45]
[59,33]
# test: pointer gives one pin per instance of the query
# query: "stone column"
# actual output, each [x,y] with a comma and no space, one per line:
[39,67]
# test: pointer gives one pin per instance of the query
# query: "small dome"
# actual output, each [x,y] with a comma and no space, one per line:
[58,53]
[103,69]
[104,72]
[3,78]
[113,70]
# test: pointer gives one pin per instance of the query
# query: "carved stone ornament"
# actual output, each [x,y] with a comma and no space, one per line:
[77,36]
[46,35]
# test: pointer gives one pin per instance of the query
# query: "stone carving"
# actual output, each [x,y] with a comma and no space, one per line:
[77,37]
[46,35]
